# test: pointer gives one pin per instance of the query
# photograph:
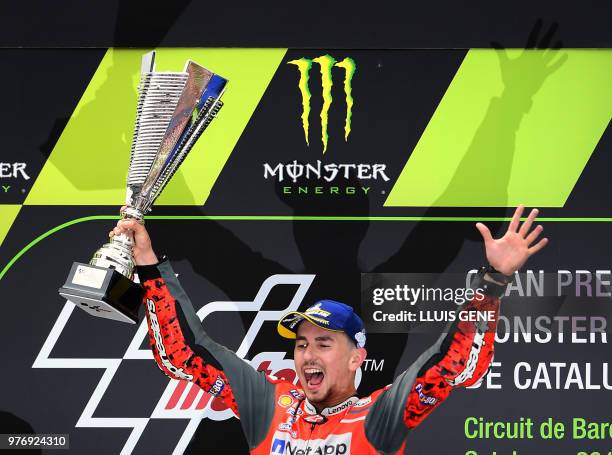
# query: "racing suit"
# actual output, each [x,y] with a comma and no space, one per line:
[275,415]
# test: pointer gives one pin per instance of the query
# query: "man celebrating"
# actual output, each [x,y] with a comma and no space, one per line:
[324,415]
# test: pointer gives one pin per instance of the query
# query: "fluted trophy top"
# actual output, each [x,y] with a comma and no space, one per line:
[173,110]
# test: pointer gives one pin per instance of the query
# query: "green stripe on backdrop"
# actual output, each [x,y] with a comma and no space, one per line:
[284,218]
[89,163]
[8,213]
[513,128]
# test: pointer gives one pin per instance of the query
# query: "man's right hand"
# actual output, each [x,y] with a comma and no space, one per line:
[143,251]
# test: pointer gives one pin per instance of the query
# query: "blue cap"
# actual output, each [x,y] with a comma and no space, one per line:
[329,315]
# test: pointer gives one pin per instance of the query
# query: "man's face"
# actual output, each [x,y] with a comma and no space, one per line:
[326,363]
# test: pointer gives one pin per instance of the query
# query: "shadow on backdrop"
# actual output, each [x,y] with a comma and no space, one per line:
[11,424]
[112,108]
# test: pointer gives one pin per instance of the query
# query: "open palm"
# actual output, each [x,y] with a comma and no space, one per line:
[508,253]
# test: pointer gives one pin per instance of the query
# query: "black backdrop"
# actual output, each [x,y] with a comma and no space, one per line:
[228,260]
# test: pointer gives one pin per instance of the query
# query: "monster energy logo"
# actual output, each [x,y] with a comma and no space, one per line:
[326,63]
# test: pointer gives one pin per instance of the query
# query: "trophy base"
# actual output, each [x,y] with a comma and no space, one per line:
[103,292]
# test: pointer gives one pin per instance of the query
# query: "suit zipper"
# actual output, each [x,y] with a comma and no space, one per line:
[312,427]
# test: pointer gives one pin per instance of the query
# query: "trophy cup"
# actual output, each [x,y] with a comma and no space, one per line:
[174,108]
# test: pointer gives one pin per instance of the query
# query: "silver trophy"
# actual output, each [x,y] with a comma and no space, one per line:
[173,110]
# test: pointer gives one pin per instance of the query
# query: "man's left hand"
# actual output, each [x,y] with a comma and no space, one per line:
[509,253]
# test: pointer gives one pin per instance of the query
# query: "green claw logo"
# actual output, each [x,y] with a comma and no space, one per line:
[326,63]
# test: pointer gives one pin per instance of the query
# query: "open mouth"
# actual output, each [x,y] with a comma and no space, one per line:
[314,376]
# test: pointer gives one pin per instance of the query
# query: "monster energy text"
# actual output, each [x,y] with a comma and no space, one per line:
[328,172]
[325,173]
[13,170]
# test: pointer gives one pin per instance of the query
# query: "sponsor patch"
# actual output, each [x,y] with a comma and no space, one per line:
[293,411]
[425,399]
[320,320]
[217,387]
[297,394]
[316,310]
[315,419]
[285,426]
[363,402]
[341,407]
[285,401]
[159,343]
[338,444]
[293,320]
[310,409]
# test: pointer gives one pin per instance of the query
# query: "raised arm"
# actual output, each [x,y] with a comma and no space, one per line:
[461,357]
[183,350]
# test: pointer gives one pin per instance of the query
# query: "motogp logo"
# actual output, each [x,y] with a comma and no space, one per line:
[180,399]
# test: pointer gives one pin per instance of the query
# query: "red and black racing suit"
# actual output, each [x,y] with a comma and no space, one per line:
[275,415]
